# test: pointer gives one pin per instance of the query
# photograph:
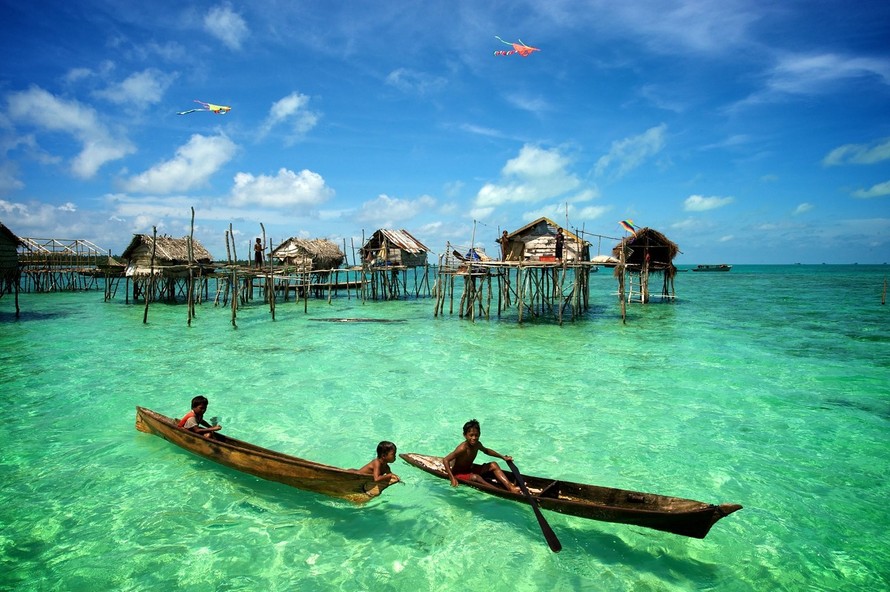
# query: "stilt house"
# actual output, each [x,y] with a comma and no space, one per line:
[171,256]
[309,254]
[536,241]
[645,252]
[9,259]
[394,248]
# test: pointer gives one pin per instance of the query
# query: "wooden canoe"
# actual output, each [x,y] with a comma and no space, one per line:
[262,462]
[670,514]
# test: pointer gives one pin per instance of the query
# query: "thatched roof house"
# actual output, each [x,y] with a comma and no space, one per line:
[171,256]
[646,252]
[394,247]
[9,261]
[650,248]
[9,245]
[309,254]
[536,241]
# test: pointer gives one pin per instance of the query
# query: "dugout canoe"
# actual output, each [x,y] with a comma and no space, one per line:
[262,462]
[660,512]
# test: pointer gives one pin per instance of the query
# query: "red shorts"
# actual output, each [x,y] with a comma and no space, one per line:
[464,473]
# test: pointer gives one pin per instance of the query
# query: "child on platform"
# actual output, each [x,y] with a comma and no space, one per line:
[460,462]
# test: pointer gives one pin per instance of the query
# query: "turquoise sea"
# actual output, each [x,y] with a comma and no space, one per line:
[768,386]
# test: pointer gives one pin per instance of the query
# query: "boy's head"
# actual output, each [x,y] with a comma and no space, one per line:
[199,401]
[385,448]
[471,425]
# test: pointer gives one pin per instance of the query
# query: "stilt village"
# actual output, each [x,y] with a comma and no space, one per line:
[541,272]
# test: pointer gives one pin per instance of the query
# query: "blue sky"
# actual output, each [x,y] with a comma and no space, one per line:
[746,131]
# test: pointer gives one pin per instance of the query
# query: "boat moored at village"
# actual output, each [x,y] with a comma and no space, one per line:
[720,267]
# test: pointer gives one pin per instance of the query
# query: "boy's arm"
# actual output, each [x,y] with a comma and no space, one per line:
[494,453]
[382,472]
[447,462]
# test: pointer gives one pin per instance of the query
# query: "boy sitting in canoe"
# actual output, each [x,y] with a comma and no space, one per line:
[379,467]
[463,456]
[194,421]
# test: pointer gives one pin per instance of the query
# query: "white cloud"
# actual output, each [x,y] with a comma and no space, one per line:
[534,175]
[412,82]
[387,212]
[879,190]
[141,88]
[44,219]
[40,108]
[813,74]
[629,153]
[802,209]
[227,26]
[286,189]
[687,224]
[700,203]
[9,180]
[528,103]
[707,26]
[859,153]
[482,131]
[592,212]
[808,74]
[292,110]
[193,165]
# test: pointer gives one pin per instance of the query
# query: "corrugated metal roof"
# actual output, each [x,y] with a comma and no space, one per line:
[403,240]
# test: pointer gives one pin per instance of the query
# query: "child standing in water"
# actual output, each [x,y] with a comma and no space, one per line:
[379,467]
[463,456]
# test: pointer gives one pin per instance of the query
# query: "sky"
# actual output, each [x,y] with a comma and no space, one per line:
[746,131]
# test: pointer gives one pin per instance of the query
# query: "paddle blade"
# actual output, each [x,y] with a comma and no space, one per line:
[549,535]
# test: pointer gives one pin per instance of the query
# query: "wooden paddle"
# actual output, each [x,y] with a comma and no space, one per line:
[554,543]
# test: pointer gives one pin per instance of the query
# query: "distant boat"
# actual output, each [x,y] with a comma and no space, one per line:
[721,267]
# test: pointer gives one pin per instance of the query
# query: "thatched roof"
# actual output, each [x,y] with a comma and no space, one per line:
[169,249]
[10,235]
[660,250]
[323,252]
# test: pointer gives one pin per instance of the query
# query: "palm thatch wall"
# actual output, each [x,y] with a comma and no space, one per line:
[309,254]
[648,248]
[171,256]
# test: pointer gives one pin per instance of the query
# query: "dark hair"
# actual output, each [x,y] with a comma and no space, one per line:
[385,448]
[470,425]
[199,400]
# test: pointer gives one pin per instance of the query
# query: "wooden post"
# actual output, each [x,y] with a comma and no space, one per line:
[622,270]
[190,304]
[234,281]
[148,292]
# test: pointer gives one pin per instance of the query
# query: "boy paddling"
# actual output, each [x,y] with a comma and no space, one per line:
[194,419]
[460,462]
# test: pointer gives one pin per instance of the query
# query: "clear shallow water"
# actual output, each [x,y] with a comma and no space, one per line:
[767,386]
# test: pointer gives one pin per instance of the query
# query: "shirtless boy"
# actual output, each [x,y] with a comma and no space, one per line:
[379,467]
[460,462]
